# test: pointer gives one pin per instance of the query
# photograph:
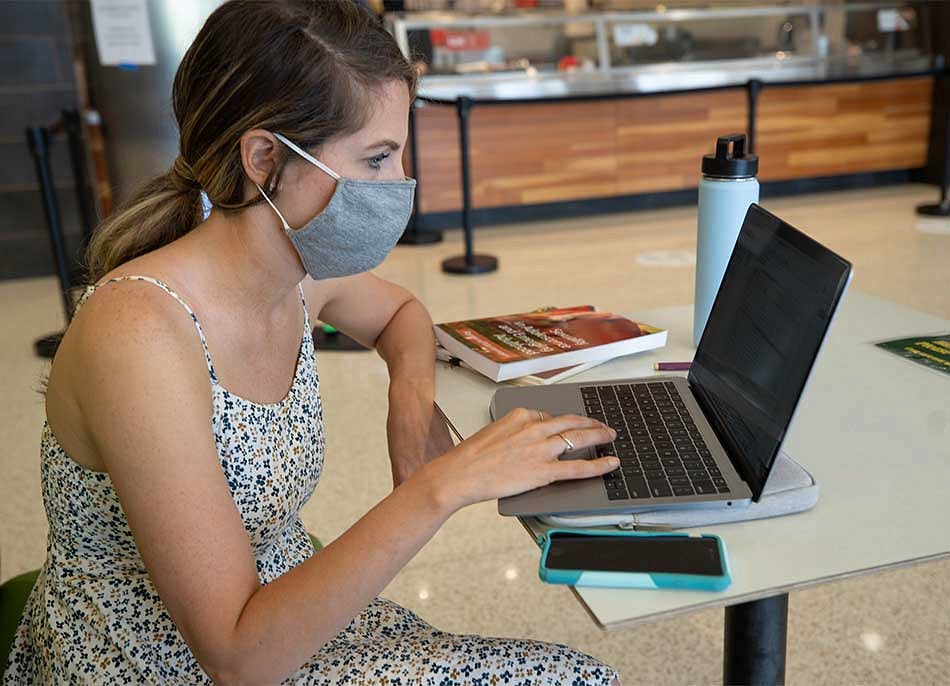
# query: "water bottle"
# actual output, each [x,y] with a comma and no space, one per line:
[726,190]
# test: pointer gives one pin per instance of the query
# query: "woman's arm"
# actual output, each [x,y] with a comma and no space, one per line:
[383,315]
[143,390]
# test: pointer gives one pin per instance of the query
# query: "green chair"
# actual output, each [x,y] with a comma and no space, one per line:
[13,595]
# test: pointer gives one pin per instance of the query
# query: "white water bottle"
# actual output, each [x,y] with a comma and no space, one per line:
[726,190]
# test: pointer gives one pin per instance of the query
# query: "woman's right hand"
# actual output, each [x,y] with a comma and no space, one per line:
[518,453]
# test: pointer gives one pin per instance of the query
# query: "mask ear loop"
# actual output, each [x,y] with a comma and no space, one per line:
[307,156]
[282,220]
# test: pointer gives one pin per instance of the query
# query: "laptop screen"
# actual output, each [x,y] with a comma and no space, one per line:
[773,308]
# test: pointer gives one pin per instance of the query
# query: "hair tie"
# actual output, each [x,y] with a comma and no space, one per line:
[184,175]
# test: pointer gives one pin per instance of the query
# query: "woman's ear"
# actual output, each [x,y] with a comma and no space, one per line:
[260,154]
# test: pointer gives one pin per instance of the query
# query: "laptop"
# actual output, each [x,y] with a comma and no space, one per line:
[709,440]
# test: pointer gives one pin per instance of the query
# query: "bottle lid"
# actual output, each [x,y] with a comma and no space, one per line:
[731,165]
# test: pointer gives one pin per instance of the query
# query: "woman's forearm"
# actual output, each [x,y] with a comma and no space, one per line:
[407,344]
[288,621]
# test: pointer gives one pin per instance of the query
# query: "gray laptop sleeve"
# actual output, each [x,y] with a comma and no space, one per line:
[790,489]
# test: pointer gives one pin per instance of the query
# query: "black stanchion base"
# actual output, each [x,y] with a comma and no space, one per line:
[47,346]
[479,264]
[335,341]
[420,237]
[938,210]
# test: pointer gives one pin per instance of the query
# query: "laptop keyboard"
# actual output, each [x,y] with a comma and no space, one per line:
[661,451]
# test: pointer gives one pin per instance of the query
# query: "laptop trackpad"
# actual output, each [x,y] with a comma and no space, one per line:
[553,400]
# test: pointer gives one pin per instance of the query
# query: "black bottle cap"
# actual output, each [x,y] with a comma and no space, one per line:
[731,165]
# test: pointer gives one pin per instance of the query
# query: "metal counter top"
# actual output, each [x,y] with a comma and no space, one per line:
[668,78]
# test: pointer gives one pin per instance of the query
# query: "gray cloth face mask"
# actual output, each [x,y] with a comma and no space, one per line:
[356,230]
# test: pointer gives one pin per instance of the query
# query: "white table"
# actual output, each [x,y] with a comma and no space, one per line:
[874,430]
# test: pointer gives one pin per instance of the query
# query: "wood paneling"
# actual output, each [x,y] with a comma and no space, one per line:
[812,131]
[661,141]
[525,154]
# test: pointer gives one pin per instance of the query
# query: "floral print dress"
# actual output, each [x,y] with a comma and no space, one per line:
[94,616]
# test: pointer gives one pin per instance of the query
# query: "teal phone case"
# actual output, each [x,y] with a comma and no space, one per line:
[580,577]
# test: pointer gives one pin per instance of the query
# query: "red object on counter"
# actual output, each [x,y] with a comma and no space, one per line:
[568,63]
[460,40]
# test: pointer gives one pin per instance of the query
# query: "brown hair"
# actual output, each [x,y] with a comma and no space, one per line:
[304,68]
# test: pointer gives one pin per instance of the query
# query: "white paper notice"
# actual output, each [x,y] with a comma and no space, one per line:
[123,33]
[891,20]
[627,35]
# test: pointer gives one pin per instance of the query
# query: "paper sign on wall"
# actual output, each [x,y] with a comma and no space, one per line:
[627,35]
[891,20]
[123,33]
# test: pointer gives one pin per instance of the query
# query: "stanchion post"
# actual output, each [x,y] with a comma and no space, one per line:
[37,139]
[942,209]
[753,90]
[412,235]
[470,263]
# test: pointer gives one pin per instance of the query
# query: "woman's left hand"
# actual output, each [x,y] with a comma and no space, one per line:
[417,434]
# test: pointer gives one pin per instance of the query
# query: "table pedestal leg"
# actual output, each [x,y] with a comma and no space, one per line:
[755,639]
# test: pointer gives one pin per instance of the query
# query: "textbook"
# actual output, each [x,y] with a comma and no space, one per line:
[546,339]
[537,379]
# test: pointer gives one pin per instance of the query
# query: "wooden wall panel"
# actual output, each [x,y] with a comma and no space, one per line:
[525,154]
[813,131]
[520,154]
[661,141]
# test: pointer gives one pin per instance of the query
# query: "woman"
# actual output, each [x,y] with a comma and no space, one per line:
[184,427]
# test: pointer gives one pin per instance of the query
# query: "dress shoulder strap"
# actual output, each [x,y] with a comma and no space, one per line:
[165,287]
[306,315]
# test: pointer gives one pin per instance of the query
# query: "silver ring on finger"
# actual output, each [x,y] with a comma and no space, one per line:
[567,441]
[540,416]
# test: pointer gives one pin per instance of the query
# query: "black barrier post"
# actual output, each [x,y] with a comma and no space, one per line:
[412,235]
[754,642]
[470,263]
[942,209]
[38,140]
[753,90]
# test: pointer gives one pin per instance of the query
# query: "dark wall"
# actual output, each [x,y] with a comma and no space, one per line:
[36,82]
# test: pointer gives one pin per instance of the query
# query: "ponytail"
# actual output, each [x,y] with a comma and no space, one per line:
[162,210]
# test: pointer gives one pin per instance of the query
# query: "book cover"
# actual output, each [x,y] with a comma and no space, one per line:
[932,352]
[509,346]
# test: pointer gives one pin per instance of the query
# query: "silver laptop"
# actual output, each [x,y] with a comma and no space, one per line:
[709,440]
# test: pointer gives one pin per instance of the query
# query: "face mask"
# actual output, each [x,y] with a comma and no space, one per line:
[356,230]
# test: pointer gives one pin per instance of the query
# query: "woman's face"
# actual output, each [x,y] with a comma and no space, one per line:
[374,152]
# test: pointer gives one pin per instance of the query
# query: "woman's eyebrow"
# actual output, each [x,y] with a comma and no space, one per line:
[385,143]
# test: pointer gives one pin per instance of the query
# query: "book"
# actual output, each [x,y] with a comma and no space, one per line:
[538,379]
[554,375]
[932,352]
[547,339]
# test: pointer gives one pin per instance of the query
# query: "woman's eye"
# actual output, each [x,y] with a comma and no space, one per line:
[374,162]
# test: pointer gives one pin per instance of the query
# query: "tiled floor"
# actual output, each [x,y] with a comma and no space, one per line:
[478,575]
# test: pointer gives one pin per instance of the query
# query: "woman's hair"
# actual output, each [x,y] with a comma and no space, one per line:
[305,68]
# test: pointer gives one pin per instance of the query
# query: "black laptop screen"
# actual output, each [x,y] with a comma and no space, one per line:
[770,316]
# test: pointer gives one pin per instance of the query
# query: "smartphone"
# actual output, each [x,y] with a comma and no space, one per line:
[633,559]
